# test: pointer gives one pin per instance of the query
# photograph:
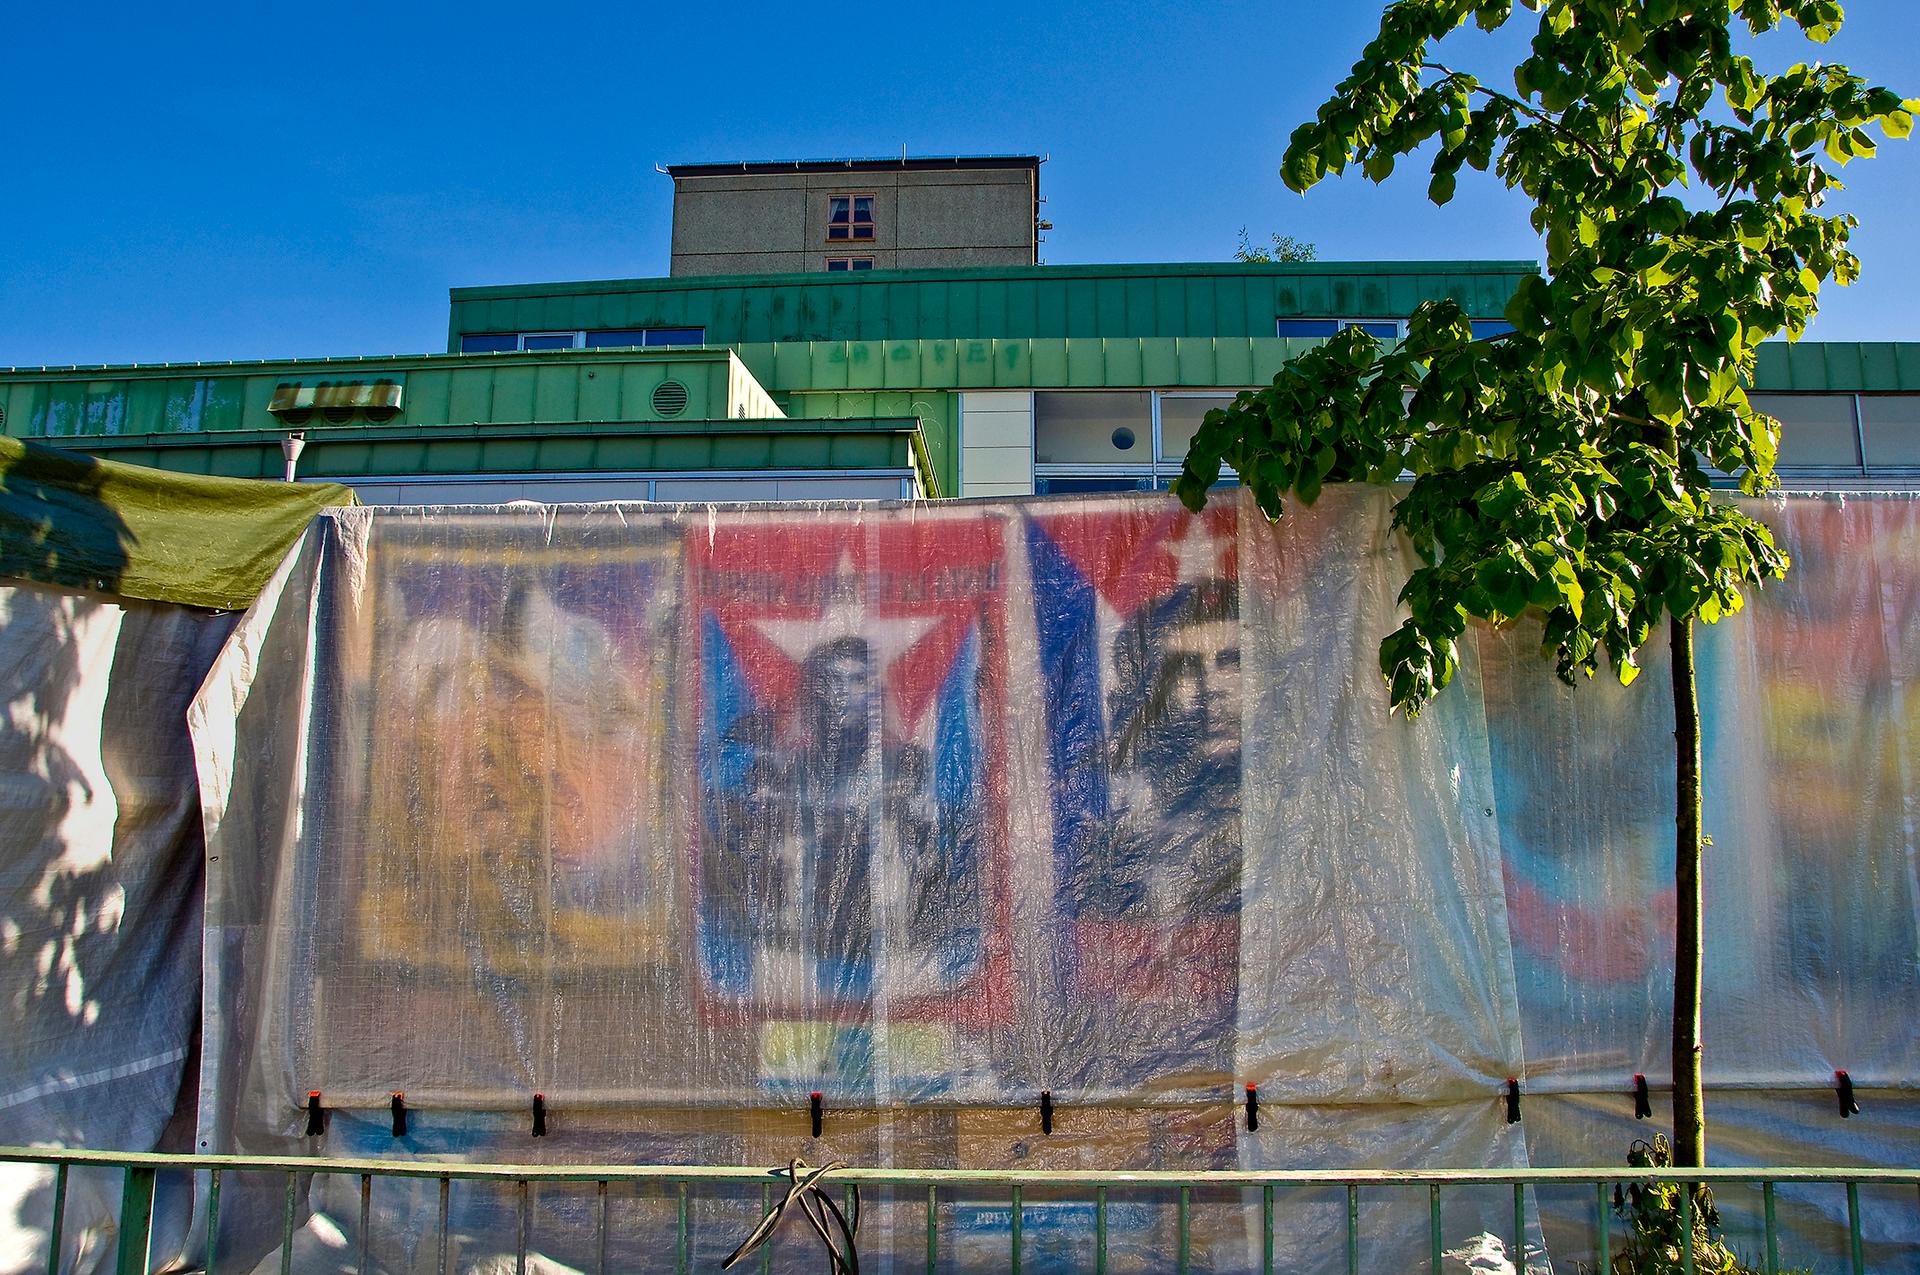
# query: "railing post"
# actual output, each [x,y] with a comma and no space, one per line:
[286,1224]
[1014,1227]
[1100,1230]
[1773,1230]
[1353,1228]
[1266,1229]
[1686,1227]
[1853,1229]
[213,1219]
[58,1225]
[1184,1261]
[366,1221]
[1606,1220]
[933,1230]
[445,1187]
[1433,1225]
[136,1221]
[522,1223]
[1520,1226]
[766,1206]
[680,1255]
[600,1229]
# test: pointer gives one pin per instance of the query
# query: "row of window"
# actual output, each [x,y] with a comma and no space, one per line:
[1856,433]
[1384,329]
[600,339]
[1113,440]
[1123,440]
[493,342]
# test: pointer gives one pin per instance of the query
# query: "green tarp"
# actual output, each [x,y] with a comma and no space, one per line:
[75,521]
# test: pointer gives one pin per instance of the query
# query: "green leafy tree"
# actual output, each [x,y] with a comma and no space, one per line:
[1284,248]
[1558,470]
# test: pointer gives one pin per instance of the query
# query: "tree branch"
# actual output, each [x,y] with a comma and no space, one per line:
[1515,104]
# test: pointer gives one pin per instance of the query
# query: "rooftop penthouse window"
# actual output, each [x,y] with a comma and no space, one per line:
[597,339]
[849,217]
[1384,329]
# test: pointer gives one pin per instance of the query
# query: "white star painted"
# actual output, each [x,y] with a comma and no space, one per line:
[1196,554]
[888,637]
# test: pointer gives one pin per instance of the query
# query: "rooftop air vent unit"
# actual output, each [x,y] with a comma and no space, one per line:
[669,399]
[336,401]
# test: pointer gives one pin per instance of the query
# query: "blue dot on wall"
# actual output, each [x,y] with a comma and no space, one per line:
[1123,438]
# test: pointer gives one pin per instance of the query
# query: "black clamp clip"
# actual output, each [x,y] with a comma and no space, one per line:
[1843,1086]
[1642,1100]
[316,1115]
[1046,1111]
[399,1114]
[1253,1108]
[814,1107]
[1513,1100]
[539,1115]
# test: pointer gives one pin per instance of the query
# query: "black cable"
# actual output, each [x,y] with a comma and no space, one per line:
[819,1209]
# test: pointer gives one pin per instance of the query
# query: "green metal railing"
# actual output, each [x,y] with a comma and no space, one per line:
[140,1171]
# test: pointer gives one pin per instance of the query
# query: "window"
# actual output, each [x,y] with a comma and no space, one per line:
[1815,429]
[849,263]
[1180,417]
[1062,486]
[1115,440]
[1093,427]
[850,217]
[1892,426]
[608,338]
[603,338]
[1384,329]
[1320,329]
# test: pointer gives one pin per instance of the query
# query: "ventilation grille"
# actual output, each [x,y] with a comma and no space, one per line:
[669,398]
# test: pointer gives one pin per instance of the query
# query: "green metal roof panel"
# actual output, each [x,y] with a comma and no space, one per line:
[1862,367]
[936,412]
[345,452]
[1007,302]
[799,368]
[437,389]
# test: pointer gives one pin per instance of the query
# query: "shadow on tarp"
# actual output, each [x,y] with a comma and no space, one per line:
[100,876]
[76,522]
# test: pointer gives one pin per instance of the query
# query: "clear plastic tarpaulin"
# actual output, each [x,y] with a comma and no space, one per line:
[676,816]
[100,863]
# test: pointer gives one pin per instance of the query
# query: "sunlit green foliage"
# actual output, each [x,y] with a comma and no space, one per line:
[1558,470]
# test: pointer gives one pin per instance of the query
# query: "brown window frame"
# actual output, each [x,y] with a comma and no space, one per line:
[850,264]
[851,226]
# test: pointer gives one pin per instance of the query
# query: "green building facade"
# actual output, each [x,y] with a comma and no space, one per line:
[912,383]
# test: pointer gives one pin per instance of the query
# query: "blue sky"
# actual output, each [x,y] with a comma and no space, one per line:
[271,181]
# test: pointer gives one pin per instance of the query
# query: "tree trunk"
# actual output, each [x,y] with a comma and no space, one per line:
[1689,1104]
